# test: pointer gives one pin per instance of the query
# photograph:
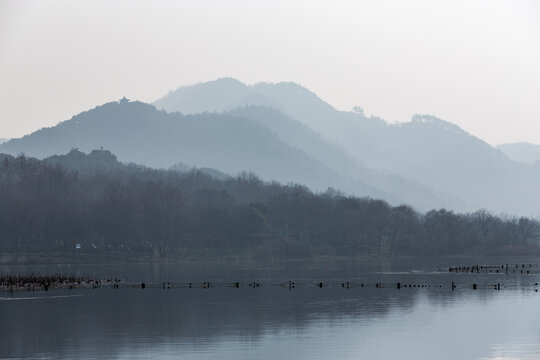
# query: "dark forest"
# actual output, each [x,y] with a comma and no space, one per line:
[94,205]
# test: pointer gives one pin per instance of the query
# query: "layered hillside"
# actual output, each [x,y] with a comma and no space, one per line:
[428,151]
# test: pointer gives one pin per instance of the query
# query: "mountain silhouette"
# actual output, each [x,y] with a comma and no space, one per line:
[523,152]
[338,160]
[254,139]
[284,132]
[137,132]
[431,152]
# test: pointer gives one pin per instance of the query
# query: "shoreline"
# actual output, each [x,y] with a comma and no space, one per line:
[66,258]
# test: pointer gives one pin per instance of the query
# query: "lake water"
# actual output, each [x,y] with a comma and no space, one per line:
[273,322]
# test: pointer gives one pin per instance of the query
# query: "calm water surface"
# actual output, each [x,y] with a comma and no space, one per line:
[272,322]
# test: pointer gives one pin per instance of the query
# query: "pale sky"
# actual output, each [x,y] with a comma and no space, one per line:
[473,63]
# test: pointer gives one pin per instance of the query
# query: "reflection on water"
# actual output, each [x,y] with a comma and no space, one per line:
[272,322]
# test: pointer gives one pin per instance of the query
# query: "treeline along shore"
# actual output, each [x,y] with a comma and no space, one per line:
[94,206]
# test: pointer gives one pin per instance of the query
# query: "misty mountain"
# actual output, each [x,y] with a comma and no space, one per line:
[97,161]
[299,135]
[182,168]
[138,133]
[256,139]
[100,162]
[432,152]
[214,96]
[289,134]
[338,160]
[226,94]
[2,140]
[446,158]
[523,152]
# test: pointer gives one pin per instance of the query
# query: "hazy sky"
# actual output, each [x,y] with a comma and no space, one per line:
[474,63]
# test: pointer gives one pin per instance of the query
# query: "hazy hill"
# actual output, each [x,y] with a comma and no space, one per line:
[2,140]
[446,158]
[103,162]
[213,96]
[137,132]
[182,168]
[523,152]
[98,161]
[299,135]
[291,135]
[338,160]
[432,152]
[256,139]
[226,94]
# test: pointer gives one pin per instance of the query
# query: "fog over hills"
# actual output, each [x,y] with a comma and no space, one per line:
[432,152]
[286,133]
[523,152]
[338,160]
[226,94]
[136,132]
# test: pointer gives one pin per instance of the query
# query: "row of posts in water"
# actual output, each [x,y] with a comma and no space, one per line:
[347,285]
[497,269]
[57,281]
[116,284]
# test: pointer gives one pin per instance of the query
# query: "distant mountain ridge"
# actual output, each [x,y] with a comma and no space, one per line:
[434,153]
[137,132]
[256,139]
[226,94]
[523,152]
[286,133]
[338,160]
